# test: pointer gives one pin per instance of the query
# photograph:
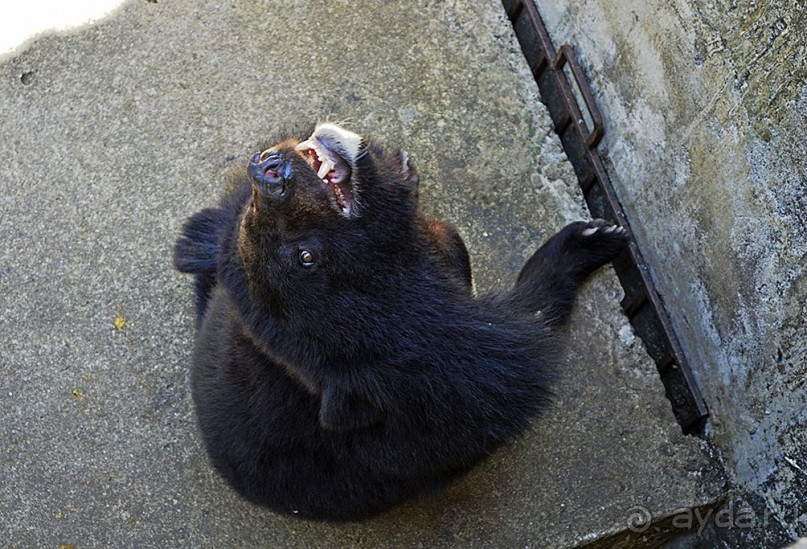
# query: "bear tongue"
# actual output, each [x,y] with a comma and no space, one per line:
[339,173]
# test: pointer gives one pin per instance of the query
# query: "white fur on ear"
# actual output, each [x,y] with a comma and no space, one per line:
[407,171]
[405,162]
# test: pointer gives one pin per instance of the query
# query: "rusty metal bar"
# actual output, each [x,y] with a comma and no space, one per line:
[642,303]
[566,56]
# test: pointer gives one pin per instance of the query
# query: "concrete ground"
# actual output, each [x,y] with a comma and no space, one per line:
[113,135]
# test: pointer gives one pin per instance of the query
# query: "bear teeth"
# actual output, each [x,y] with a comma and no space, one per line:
[312,151]
[325,165]
[324,168]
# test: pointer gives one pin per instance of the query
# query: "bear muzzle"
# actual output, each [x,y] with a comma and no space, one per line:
[269,171]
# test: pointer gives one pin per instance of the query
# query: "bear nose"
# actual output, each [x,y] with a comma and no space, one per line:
[270,170]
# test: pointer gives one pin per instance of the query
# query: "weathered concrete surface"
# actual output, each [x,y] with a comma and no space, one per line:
[112,136]
[706,143]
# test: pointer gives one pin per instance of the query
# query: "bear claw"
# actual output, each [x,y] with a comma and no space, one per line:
[607,228]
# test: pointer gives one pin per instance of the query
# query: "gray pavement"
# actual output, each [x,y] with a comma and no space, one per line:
[111,136]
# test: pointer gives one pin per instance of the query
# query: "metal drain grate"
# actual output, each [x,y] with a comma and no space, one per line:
[580,131]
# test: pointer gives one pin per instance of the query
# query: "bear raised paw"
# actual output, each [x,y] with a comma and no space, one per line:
[342,363]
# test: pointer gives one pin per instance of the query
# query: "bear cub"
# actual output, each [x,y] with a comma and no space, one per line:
[343,363]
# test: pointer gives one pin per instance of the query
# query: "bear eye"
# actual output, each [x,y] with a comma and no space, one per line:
[306,258]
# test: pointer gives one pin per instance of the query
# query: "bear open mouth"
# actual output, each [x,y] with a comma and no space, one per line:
[334,170]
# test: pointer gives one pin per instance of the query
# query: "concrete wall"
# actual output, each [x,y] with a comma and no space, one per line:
[706,116]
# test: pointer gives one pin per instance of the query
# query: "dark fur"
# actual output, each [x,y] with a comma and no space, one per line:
[338,390]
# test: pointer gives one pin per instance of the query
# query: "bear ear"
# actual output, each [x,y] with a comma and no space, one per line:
[408,170]
[343,410]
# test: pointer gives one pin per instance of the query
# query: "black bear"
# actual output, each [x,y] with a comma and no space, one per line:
[343,363]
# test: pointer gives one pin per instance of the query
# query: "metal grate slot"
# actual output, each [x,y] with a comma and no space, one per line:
[580,130]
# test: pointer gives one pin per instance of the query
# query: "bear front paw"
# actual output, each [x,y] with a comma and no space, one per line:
[597,242]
